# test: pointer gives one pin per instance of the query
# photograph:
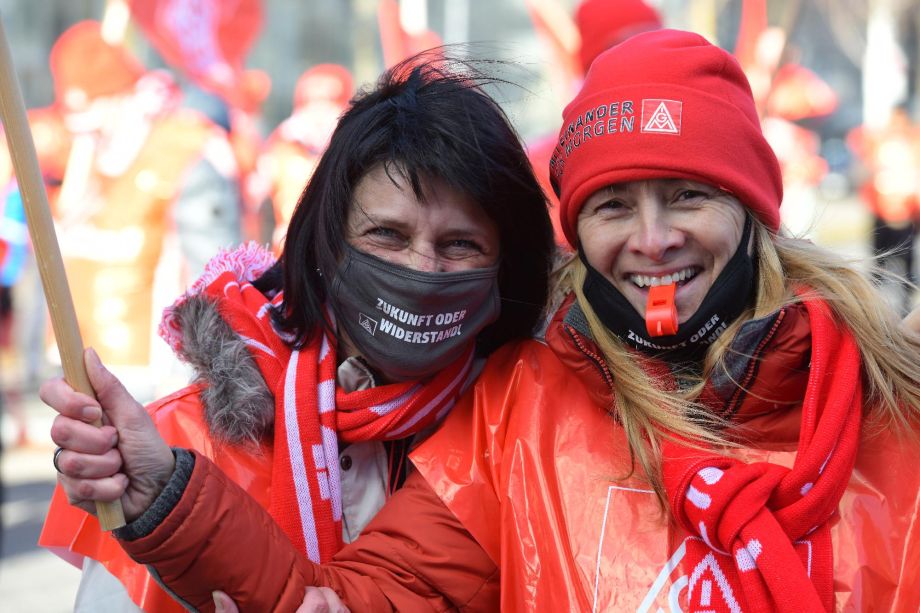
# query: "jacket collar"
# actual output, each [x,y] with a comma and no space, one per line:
[767,368]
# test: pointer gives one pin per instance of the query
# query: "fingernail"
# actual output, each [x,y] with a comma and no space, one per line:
[218,602]
[91,413]
[94,359]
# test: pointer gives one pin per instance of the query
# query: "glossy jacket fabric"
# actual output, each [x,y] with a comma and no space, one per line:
[537,452]
[531,469]
[73,534]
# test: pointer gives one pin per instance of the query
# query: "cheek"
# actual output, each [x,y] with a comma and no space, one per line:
[727,227]
[601,249]
[723,250]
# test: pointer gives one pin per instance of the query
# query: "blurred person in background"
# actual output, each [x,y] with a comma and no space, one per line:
[208,211]
[786,94]
[721,417]
[890,156]
[419,246]
[294,148]
[14,251]
[207,44]
[139,170]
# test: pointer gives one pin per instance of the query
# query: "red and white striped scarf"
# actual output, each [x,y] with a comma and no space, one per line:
[764,541]
[311,412]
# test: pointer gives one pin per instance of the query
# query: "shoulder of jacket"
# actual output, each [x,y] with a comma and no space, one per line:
[512,352]
[186,397]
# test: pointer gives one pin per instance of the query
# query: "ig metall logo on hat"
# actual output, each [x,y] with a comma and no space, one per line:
[661,116]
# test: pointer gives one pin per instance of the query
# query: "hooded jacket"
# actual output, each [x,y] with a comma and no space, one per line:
[225,414]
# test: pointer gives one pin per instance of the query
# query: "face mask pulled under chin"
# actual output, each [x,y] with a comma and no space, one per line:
[730,294]
[409,324]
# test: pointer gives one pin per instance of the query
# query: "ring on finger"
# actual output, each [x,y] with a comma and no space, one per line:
[54,458]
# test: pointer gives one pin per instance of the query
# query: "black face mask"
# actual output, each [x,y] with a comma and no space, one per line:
[410,324]
[729,296]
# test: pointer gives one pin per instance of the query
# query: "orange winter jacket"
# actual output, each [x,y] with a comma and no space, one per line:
[524,507]
[73,534]
[195,417]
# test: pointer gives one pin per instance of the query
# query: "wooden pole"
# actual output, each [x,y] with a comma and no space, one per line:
[44,241]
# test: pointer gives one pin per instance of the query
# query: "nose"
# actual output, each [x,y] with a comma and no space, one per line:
[654,236]
[424,258]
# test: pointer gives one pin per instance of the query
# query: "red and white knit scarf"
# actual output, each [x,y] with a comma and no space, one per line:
[311,413]
[763,530]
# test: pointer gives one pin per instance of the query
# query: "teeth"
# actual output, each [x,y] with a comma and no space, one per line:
[649,281]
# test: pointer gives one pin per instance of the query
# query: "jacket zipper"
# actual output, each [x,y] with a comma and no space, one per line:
[598,361]
[732,406]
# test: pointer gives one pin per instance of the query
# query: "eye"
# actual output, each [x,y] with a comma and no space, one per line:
[610,206]
[382,231]
[461,247]
[690,194]
[384,235]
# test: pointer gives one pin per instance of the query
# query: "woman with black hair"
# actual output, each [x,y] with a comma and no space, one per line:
[421,244]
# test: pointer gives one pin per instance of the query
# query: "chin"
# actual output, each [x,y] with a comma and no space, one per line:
[684,315]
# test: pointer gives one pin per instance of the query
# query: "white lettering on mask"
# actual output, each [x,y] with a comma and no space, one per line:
[450,319]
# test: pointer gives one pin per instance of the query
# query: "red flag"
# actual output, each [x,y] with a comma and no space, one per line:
[556,28]
[753,23]
[205,39]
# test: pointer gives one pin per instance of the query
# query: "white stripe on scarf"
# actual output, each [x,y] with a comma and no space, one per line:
[298,469]
[461,376]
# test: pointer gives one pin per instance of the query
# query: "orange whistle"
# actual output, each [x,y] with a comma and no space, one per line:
[660,311]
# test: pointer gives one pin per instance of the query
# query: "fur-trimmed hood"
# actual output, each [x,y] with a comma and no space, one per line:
[238,405]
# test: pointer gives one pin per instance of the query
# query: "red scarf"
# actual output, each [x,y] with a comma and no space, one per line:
[311,413]
[764,530]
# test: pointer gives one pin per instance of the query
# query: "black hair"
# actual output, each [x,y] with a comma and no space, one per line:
[426,117]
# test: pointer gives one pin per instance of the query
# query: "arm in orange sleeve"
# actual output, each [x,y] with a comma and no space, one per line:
[414,556]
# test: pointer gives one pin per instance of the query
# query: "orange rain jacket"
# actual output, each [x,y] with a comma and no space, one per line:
[525,493]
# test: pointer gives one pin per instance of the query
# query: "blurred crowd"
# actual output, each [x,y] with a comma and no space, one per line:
[149,172]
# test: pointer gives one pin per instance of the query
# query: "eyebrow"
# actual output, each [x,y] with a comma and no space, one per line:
[611,191]
[620,189]
[397,223]
[382,220]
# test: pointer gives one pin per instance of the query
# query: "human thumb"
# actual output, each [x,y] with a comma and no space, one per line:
[118,404]
[223,603]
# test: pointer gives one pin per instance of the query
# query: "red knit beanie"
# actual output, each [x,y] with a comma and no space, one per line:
[664,105]
[605,23]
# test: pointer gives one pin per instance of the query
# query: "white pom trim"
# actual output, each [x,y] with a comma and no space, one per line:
[247,262]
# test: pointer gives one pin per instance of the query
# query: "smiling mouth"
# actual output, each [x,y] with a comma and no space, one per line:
[679,277]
